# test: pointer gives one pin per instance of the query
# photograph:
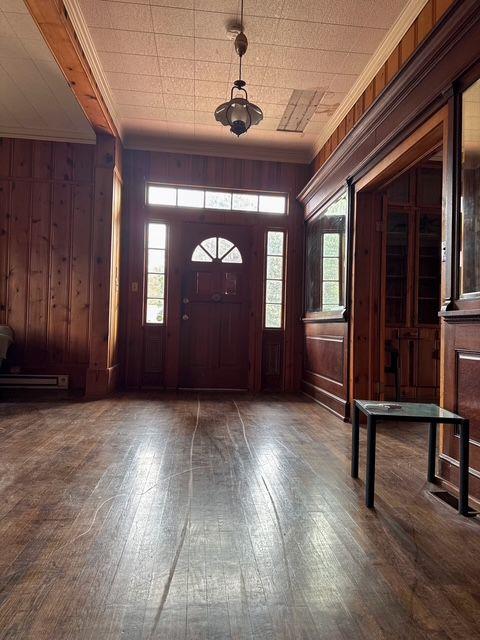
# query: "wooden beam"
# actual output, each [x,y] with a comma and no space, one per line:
[56,27]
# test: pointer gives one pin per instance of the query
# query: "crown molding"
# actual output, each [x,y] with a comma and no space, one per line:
[386,47]
[224,150]
[85,39]
[47,135]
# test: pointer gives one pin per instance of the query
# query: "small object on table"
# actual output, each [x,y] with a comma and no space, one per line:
[377,411]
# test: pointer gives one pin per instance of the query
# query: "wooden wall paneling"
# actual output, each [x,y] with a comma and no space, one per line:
[408,44]
[43,160]
[59,314]
[5,186]
[425,21]
[6,146]
[45,253]
[18,264]
[79,317]
[39,272]
[101,374]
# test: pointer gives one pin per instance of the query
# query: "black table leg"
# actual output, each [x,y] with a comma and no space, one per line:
[355,440]
[432,451]
[464,461]
[371,443]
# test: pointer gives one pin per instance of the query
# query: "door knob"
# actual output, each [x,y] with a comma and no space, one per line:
[185,301]
[185,316]
[216,297]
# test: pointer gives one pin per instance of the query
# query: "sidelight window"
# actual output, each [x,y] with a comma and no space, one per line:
[274,280]
[155,272]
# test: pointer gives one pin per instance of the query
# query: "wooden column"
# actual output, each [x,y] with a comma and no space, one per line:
[103,367]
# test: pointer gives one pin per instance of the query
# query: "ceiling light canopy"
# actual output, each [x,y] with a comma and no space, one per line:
[238,113]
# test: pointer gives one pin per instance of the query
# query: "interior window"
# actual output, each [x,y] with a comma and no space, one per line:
[156,269]
[470,192]
[217,250]
[325,258]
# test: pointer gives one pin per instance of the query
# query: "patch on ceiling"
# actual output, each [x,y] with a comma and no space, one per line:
[300,109]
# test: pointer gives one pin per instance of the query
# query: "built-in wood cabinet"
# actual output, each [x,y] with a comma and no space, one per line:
[412,229]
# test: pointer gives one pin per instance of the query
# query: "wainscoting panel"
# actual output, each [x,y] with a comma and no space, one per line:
[325,365]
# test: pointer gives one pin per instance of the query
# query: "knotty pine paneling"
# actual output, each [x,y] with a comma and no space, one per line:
[46,191]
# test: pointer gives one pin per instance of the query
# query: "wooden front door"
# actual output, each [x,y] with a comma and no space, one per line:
[215,306]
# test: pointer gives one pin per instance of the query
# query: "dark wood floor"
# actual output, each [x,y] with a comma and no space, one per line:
[222,517]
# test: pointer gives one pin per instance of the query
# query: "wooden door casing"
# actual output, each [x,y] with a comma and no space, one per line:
[215,310]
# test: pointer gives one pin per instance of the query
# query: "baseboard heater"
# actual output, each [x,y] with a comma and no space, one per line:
[25,381]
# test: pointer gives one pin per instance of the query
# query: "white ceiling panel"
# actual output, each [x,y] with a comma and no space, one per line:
[35,99]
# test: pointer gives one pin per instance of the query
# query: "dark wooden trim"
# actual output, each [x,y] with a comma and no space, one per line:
[337,405]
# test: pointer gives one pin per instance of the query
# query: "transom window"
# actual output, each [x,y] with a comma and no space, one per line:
[217,250]
[168,196]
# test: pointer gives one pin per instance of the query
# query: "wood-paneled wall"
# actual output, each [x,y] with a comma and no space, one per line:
[46,218]
[151,352]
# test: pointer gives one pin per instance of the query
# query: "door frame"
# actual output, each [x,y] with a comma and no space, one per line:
[366,312]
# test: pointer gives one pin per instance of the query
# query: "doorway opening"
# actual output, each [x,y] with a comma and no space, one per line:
[411,237]
[397,273]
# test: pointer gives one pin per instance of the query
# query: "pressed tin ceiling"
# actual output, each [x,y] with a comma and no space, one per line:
[165,65]
[169,63]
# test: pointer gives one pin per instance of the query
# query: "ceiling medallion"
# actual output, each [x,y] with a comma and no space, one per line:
[238,113]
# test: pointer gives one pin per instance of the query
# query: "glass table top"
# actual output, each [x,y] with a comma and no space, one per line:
[406,410]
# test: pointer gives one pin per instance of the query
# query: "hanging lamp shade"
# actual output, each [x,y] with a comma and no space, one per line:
[238,113]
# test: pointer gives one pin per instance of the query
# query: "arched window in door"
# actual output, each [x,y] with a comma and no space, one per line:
[217,250]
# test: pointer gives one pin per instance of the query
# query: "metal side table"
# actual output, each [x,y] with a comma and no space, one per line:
[432,414]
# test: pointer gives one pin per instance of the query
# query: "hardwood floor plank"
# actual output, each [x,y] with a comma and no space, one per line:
[215,516]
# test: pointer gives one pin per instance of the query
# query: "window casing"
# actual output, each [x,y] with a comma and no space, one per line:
[325,264]
[274,279]
[155,272]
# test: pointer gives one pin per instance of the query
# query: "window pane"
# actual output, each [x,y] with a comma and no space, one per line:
[272,204]
[331,294]
[273,316]
[218,200]
[470,195]
[162,195]
[245,202]
[200,255]
[331,268]
[155,285]
[234,257]
[155,311]
[331,244]
[156,235]
[210,245]
[274,291]
[191,198]
[274,268]
[275,243]
[156,261]
[223,246]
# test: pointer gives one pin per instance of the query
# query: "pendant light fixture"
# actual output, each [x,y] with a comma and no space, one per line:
[238,113]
